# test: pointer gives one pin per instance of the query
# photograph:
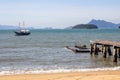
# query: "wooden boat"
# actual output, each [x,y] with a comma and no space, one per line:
[81,47]
[22,32]
[78,50]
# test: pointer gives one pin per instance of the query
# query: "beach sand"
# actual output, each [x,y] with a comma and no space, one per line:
[95,75]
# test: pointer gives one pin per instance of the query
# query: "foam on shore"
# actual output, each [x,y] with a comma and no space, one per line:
[56,71]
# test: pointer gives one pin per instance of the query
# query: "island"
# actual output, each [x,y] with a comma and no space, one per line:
[85,26]
[119,27]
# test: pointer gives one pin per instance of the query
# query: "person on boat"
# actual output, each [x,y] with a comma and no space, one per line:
[81,47]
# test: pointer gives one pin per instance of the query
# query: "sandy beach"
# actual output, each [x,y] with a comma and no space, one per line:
[96,75]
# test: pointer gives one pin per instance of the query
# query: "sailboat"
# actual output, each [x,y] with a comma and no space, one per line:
[22,32]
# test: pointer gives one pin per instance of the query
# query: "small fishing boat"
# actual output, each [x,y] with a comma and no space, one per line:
[81,47]
[78,50]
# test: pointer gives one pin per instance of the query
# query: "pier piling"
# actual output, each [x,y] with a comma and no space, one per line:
[104,52]
[119,52]
[106,48]
[91,49]
[115,54]
[109,51]
[95,49]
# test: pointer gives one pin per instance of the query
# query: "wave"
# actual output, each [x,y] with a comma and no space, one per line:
[15,72]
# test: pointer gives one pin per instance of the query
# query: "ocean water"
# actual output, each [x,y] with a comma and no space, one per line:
[44,51]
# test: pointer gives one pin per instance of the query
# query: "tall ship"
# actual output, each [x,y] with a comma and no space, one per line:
[22,32]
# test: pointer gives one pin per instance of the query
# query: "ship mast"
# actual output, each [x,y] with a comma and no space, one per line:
[23,24]
[19,25]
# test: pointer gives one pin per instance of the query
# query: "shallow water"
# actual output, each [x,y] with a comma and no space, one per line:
[44,51]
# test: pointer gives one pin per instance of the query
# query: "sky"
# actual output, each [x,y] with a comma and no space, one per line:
[57,13]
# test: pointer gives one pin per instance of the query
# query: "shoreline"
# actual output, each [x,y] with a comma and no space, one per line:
[25,72]
[90,75]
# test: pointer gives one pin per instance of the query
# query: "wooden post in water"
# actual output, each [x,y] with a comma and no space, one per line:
[115,54]
[104,51]
[102,48]
[109,51]
[119,52]
[95,49]
[91,49]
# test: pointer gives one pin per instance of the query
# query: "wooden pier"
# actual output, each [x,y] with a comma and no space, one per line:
[106,47]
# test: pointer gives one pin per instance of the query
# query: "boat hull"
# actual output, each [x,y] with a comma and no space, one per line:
[77,50]
[22,33]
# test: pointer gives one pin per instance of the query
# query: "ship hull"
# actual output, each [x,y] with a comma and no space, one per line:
[22,33]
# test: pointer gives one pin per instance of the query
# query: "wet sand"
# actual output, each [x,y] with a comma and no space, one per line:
[96,75]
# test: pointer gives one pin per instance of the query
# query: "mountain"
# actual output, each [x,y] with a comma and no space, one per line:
[85,26]
[70,27]
[104,24]
[7,27]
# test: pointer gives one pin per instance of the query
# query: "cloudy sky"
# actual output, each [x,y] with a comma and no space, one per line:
[57,13]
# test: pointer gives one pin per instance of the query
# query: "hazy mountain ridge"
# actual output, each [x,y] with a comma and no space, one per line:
[104,24]
[4,27]
[10,27]
[101,24]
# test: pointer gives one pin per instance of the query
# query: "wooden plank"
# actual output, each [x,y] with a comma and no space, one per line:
[106,42]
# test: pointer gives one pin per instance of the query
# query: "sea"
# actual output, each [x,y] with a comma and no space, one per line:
[43,51]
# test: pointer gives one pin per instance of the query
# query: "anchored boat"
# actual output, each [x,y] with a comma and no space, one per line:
[78,50]
[22,32]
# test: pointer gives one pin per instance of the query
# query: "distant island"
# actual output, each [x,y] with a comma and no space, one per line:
[96,24]
[93,24]
[10,27]
[102,24]
[119,27]
[85,26]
